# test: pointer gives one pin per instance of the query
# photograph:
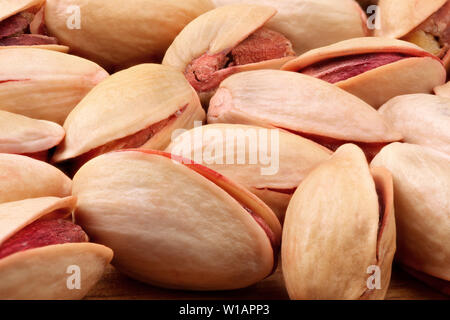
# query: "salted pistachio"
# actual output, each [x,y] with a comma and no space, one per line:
[174,223]
[224,41]
[423,22]
[443,91]
[339,229]
[271,163]
[422,208]
[22,25]
[311,24]
[39,244]
[373,69]
[22,177]
[422,119]
[302,105]
[120,35]
[138,107]
[44,84]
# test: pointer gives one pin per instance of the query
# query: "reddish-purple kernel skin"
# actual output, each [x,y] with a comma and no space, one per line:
[14,25]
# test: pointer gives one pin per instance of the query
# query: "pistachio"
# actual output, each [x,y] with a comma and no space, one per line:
[183,225]
[339,223]
[443,91]
[38,243]
[302,105]
[373,69]
[422,193]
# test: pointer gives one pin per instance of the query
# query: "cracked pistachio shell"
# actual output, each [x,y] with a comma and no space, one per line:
[312,24]
[289,158]
[126,103]
[48,86]
[22,177]
[422,119]
[121,35]
[333,231]
[41,273]
[443,91]
[419,73]
[175,225]
[422,206]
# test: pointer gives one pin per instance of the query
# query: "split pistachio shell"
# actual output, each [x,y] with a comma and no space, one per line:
[422,206]
[443,91]
[128,102]
[311,24]
[175,225]
[419,72]
[48,85]
[106,35]
[22,177]
[41,273]
[422,119]
[289,158]
[333,231]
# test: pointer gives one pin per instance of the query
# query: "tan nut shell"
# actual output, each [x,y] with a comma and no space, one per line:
[418,74]
[293,101]
[41,273]
[443,91]
[22,177]
[126,103]
[311,24]
[291,158]
[174,225]
[331,234]
[119,34]
[422,206]
[422,119]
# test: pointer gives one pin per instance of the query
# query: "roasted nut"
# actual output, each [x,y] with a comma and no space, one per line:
[44,84]
[443,91]
[373,69]
[270,169]
[422,209]
[422,119]
[119,35]
[225,41]
[303,105]
[339,223]
[134,108]
[176,225]
[38,243]
[23,177]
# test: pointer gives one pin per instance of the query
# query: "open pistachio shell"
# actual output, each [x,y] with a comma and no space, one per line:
[412,71]
[422,206]
[183,226]
[443,91]
[422,119]
[42,272]
[237,152]
[22,177]
[106,36]
[339,223]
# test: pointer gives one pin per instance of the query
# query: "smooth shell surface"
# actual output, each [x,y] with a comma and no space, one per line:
[9,8]
[443,91]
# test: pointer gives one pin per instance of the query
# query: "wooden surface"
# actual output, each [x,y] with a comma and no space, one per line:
[117,286]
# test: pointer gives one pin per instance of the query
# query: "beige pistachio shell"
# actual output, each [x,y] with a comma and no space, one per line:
[181,226]
[293,101]
[22,177]
[331,232]
[270,163]
[422,206]
[312,24]
[422,119]
[443,91]
[48,86]
[418,74]
[126,103]
[106,35]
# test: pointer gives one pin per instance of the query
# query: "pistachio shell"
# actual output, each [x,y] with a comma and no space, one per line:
[422,119]
[332,230]
[22,177]
[182,226]
[443,91]
[422,206]
[106,35]
[129,101]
